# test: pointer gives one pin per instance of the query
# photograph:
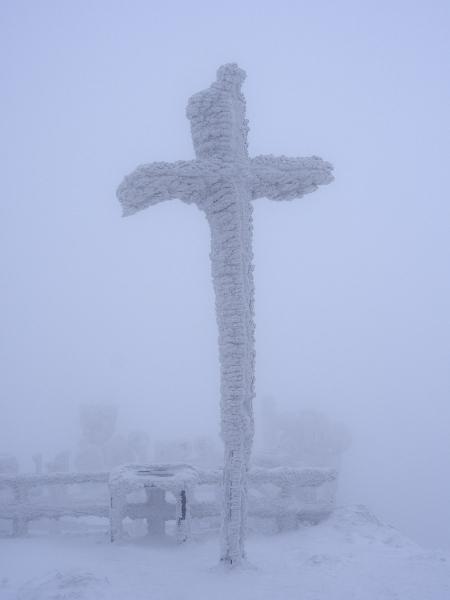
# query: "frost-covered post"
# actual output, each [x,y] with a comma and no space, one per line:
[222,181]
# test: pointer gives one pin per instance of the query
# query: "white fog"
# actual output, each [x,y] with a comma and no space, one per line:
[352,287]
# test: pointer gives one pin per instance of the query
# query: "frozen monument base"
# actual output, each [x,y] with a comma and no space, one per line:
[155,480]
[222,181]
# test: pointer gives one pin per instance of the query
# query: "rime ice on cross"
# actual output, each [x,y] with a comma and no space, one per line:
[222,181]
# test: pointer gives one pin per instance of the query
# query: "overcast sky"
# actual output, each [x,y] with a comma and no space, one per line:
[352,282]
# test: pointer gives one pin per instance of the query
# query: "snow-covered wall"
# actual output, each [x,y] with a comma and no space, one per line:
[25,498]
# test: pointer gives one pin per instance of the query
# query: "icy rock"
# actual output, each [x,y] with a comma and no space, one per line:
[71,585]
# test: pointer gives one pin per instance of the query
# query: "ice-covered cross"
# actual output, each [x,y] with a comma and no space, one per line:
[222,181]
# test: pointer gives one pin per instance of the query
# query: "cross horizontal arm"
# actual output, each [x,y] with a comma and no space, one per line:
[159,181]
[283,178]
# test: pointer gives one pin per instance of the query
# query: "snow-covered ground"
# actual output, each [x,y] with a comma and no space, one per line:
[350,556]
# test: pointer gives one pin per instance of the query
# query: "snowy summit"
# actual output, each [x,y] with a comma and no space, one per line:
[352,555]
